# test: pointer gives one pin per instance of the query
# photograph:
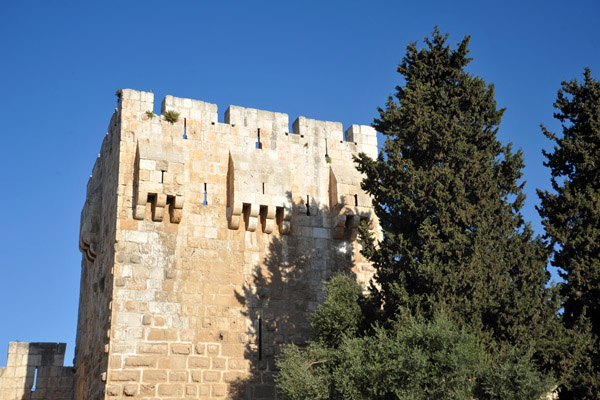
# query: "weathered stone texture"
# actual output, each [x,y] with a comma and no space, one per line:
[35,371]
[224,235]
[97,243]
[206,245]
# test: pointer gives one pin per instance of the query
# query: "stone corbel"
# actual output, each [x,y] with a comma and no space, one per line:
[88,248]
[89,232]
[140,205]
[176,209]
[234,214]
[252,223]
[158,206]
[285,223]
[268,220]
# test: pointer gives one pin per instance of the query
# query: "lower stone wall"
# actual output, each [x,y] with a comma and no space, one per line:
[34,371]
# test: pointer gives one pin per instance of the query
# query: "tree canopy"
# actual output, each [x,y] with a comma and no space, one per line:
[413,359]
[571,217]
[448,196]
[459,306]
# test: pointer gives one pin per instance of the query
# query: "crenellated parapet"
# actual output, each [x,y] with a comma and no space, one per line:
[189,109]
[328,131]
[35,371]
[254,119]
[261,154]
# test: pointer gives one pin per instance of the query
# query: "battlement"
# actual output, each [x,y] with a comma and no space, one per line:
[250,122]
[35,371]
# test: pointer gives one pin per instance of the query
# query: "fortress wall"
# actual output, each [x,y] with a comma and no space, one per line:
[97,242]
[35,371]
[220,245]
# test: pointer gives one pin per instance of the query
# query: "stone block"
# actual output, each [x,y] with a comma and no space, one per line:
[197,376]
[198,362]
[130,390]
[218,363]
[113,390]
[219,390]
[148,389]
[191,390]
[140,361]
[154,376]
[181,348]
[171,390]
[178,376]
[152,348]
[211,376]
[125,376]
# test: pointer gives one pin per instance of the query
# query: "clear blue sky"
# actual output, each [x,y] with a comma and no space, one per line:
[61,63]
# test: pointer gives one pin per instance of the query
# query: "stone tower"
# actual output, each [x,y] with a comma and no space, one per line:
[206,244]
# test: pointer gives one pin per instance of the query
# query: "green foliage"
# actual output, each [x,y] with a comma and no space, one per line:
[328,159]
[171,116]
[340,314]
[419,361]
[447,194]
[414,360]
[150,114]
[571,217]
[304,375]
[513,376]
[460,297]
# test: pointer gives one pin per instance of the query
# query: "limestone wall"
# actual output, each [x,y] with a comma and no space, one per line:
[35,371]
[214,244]
[97,242]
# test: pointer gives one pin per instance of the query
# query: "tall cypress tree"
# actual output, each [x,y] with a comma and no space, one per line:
[448,196]
[571,216]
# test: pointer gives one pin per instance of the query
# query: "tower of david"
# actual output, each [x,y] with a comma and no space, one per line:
[205,245]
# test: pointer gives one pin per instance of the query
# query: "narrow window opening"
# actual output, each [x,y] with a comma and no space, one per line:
[356,200]
[258,143]
[263,188]
[348,228]
[162,176]
[185,128]
[205,202]
[35,379]
[308,205]
[260,338]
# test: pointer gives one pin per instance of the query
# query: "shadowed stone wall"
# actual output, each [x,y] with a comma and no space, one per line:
[35,371]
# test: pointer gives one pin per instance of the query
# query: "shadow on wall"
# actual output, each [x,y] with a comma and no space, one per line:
[35,371]
[281,292]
